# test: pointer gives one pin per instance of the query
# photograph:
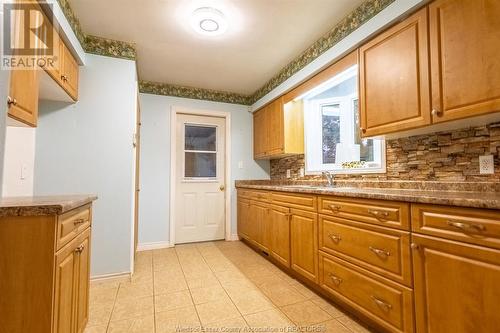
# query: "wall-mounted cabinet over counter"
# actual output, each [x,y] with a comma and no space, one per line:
[54,78]
[432,68]
[278,130]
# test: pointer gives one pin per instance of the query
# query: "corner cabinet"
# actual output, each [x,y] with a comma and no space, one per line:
[395,64]
[52,260]
[278,130]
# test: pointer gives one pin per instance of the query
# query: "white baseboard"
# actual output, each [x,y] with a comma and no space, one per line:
[233,237]
[153,246]
[111,277]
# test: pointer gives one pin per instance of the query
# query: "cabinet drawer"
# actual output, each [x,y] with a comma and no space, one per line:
[70,224]
[254,194]
[388,304]
[385,213]
[381,250]
[475,226]
[300,201]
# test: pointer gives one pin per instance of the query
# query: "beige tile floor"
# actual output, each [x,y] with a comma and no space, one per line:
[215,286]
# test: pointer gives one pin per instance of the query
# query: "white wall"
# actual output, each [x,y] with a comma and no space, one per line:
[87,148]
[155,160]
[19,160]
[4,91]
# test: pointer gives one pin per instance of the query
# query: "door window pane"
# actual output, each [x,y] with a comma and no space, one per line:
[200,165]
[331,132]
[200,138]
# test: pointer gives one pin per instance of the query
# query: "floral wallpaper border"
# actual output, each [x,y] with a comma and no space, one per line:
[166,89]
[351,22]
[125,50]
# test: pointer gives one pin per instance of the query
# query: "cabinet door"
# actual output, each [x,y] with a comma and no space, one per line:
[280,234]
[259,228]
[394,78]
[243,217]
[456,286]
[275,128]
[260,133]
[65,289]
[23,96]
[69,73]
[464,48]
[304,243]
[83,279]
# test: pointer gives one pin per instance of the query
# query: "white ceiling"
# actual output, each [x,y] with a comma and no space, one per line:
[263,36]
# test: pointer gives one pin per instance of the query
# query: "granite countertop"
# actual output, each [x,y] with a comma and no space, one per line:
[474,199]
[42,205]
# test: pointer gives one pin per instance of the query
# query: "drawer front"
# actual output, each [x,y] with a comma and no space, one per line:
[254,194]
[299,201]
[382,250]
[384,213]
[72,223]
[475,226]
[387,303]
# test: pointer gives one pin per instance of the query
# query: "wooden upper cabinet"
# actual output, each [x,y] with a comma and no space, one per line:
[69,72]
[465,62]
[23,96]
[278,130]
[456,286]
[394,78]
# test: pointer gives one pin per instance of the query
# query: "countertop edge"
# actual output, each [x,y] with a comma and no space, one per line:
[45,209]
[429,198]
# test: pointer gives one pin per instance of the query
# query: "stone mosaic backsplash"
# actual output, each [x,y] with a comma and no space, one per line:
[443,156]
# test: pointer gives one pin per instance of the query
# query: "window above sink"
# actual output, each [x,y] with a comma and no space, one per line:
[332,128]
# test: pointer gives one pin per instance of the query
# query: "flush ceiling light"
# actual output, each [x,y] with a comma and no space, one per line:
[208,21]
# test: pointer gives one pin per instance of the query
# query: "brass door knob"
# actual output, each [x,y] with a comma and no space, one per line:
[222,187]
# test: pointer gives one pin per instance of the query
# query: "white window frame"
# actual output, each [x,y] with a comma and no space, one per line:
[313,112]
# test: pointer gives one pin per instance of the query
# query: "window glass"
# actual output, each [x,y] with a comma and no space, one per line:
[200,151]
[332,129]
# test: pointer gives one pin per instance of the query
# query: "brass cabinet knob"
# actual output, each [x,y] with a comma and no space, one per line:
[436,113]
[80,249]
[414,246]
[363,130]
[11,101]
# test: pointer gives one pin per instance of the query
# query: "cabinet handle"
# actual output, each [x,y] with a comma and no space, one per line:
[379,252]
[11,101]
[334,208]
[64,78]
[79,221]
[436,113]
[382,304]
[378,213]
[363,130]
[80,249]
[466,227]
[335,279]
[335,238]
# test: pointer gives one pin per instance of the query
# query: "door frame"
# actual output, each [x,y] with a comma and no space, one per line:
[173,164]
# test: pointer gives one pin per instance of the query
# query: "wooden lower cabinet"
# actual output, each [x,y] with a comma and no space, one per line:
[304,243]
[457,286]
[280,234]
[243,218]
[54,294]
[259,228]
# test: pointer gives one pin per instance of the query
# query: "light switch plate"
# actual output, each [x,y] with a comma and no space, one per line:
[486,165]
[240,165]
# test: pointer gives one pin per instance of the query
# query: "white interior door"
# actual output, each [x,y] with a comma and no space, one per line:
[200,178]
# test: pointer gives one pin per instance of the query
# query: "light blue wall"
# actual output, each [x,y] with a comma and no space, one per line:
[4,91]
[155,160]
[87,148]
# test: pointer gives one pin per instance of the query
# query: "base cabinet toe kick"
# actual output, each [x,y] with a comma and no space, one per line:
[399,266]
[45,271]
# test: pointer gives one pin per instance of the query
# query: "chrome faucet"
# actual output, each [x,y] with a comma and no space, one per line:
[329,177]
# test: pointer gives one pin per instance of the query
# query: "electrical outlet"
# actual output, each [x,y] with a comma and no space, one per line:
[486,165]
[240,165]
[301,172]
[288,173]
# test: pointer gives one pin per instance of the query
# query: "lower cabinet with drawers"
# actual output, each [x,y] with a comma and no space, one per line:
[50,255]
[403,267]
